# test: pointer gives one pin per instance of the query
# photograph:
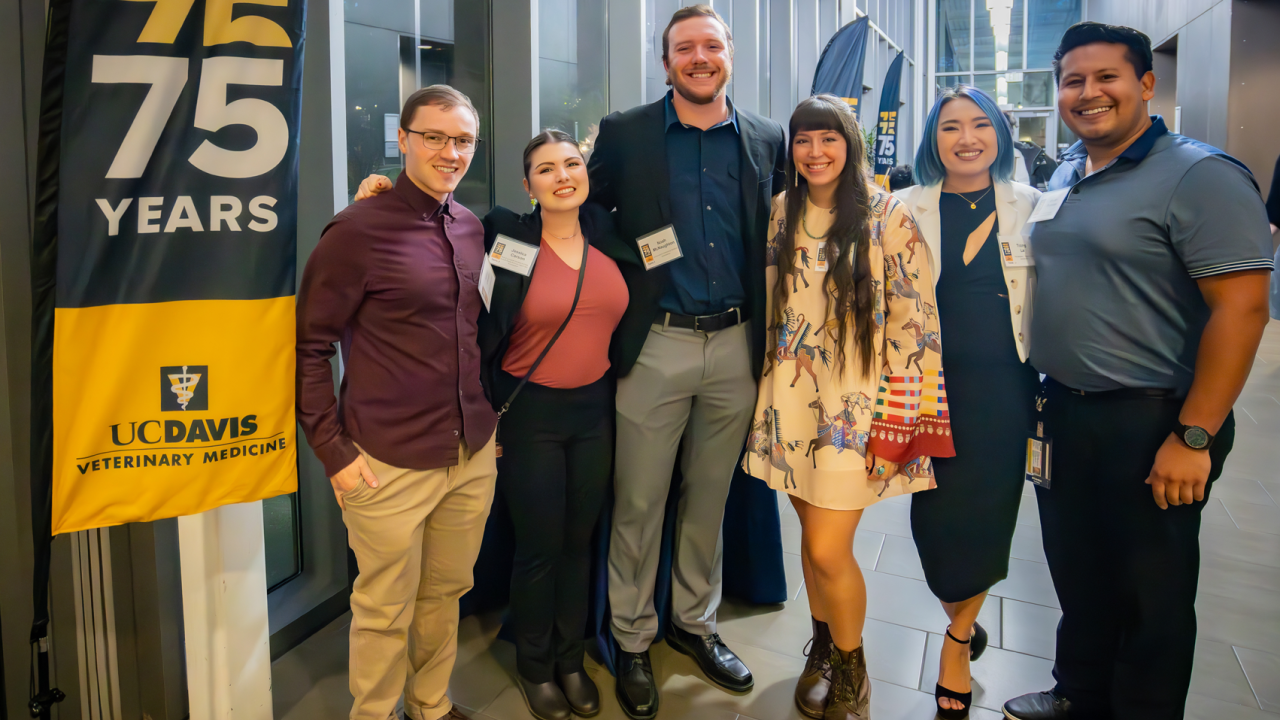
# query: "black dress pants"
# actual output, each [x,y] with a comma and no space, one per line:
[557,448]
[1125,571]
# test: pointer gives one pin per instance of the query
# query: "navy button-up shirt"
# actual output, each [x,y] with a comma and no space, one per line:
[705,168]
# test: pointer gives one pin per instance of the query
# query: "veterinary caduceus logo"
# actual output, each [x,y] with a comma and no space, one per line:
[184,387]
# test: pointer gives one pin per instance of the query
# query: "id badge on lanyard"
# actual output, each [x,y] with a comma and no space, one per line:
[1039,465]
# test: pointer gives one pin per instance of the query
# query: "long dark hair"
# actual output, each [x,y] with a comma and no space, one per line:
[848,284]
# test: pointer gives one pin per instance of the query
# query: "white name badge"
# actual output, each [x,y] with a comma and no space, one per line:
[513,255]
[486,282]
[1015,250]
[1047,207]
[659,247]
[821,264]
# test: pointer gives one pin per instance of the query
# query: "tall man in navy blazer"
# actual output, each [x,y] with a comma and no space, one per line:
[690,347]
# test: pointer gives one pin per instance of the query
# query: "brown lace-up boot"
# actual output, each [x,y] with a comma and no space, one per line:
[814,684]
[850,687]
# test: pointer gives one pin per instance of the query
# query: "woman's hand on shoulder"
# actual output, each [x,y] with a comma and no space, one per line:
[373,185]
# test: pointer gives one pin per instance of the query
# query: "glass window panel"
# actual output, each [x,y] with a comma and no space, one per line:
[1012,94]
[1048,20]
[374,79]
[573,80]
[1032,128]
[986,83]
[953,35]
[947,81]
[993,33]
[1016,20]
[280,531]
[387,59]
[1066,138]
[1037,89]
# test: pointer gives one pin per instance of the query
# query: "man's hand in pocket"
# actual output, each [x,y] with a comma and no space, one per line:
[349,477]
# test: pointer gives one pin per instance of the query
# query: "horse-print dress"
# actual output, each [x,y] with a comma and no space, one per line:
[813,425]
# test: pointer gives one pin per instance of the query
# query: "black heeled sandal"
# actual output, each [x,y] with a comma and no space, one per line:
[978,643]
[940,692]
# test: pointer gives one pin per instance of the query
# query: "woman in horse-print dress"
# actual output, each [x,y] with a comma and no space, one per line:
[851,403]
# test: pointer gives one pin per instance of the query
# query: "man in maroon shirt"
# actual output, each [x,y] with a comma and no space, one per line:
[409,449]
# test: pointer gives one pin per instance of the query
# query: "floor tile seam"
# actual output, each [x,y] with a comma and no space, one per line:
[1027,602]
[1224,596]
[510,684]
[1033,560]
[1261,535]
[1270,497]
[1235,652]
[754,646]
[1241,502]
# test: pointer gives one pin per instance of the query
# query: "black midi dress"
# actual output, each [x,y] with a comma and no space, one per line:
[964,529]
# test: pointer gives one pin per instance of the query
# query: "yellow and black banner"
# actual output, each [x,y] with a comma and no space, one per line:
[164,280]
[886,147]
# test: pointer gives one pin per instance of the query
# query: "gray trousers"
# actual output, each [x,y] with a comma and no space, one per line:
[697,387]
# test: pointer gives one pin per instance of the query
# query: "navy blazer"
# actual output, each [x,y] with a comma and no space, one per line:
[510,288]
[629,173]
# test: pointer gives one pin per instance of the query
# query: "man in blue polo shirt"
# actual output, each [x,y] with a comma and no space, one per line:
[1152,262]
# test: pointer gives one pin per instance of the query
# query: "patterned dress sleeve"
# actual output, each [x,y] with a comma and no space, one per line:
[777,226]
[911,421]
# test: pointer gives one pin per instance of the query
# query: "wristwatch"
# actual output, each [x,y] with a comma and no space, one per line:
[1194,437]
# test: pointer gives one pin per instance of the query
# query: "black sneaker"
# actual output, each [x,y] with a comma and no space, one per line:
[1038,706]
[637,692]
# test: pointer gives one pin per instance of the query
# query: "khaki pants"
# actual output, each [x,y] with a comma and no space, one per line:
[416,538]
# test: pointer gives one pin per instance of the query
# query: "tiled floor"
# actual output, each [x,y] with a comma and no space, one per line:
[1237,670]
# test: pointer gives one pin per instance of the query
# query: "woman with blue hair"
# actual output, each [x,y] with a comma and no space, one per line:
[971,216]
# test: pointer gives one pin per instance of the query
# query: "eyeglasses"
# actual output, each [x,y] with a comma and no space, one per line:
[436,141]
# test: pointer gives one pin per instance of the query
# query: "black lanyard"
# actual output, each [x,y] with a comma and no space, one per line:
[582,272]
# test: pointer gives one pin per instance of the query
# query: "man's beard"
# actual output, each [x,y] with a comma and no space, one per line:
[676,80]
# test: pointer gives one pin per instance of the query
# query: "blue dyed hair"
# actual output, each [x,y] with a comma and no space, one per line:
[929,169]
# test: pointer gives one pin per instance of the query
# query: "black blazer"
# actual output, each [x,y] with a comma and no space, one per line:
[510,288]
[629,173]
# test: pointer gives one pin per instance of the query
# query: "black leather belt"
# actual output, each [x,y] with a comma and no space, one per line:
[1159,393]
[704,323]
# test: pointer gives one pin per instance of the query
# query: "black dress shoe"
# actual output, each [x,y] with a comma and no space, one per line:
[719,663]
[1038,706]
[635,688]
[581,692]
[545,700]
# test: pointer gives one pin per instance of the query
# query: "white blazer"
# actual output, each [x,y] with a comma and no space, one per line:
[1014,203]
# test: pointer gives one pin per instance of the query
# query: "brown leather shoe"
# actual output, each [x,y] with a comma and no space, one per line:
[850,687]
[814,685]
[456,714]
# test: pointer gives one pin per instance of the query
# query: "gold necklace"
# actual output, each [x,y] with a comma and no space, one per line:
[577,230]
[973,204]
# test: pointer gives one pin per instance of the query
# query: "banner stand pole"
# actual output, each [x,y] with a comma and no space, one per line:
[224,610]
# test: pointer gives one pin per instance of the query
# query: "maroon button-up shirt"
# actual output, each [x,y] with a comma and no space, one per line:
[394,280]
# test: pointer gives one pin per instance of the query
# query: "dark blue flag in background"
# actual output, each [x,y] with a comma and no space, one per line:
[839,70]
[886,149]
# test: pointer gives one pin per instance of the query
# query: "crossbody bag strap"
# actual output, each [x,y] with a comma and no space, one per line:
[582,272]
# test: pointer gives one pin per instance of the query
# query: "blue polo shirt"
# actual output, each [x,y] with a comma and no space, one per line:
[1117,305]
[705,170]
